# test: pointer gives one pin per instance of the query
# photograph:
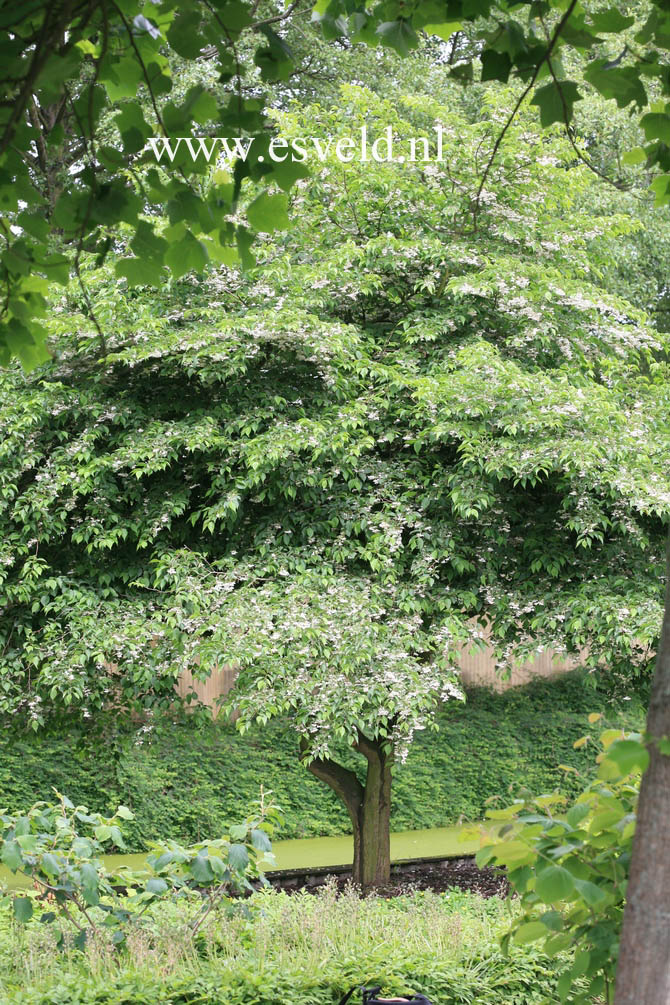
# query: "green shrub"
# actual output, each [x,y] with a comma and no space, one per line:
[59,847]
[189,783]
[570,871]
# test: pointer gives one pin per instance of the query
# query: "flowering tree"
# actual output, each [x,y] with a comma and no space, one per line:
[334,471]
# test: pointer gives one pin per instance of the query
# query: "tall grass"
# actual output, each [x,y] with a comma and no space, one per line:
[272,931]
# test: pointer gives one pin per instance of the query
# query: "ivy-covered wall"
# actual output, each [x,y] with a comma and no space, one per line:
[185,782]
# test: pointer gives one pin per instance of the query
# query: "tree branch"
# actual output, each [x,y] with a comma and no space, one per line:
[342,781]
[550,48]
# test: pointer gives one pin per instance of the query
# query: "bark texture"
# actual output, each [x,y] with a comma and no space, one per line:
[369,808]
[643,974]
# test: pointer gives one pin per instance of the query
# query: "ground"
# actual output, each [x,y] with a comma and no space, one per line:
[430,874]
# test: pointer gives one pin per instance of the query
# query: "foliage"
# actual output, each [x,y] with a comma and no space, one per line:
[87,85]
[301,948]
[570,871]
[190,782]
[45,844]
[423,416]
[59,847]
[620,52]
[417,425]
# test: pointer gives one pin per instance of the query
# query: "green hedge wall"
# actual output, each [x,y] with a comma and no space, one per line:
[187,782]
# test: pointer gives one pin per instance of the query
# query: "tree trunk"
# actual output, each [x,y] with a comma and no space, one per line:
[643,973]
[375,817]
[369,809]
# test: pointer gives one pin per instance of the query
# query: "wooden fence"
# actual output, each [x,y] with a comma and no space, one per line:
[478,667]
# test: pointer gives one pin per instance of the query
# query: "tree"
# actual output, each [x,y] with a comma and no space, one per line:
[643,973]
[87,84]
[47,48]
[77,74]
[331,471]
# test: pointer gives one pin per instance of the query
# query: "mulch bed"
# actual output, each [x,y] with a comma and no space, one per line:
[430,874]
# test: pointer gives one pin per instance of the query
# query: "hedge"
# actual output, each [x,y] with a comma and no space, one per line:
[186,782]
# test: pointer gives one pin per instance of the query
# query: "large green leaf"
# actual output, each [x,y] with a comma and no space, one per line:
[556,101]
[495,65]
[268,212]
[186,255]
[399,35]
[201,869]
[238,857]
[553,884]
[619,82]
[23,908]
[11,855]
[260,840]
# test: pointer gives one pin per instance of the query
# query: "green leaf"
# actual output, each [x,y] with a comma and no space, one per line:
[661,187]
[656,126]
[184,37]
[495,65]
[619,82]
[201,869]
[590,892]
[165,859]
[577,813]
[140,271]
[133,127]
[11,855]
[238,857]
[611,20]
[89,883]
[268,213]
[50,865]
[635,156]
[530,932]
[260,840]
[288,172]
[121,78]
[628,755]
[399,35]
[186,255]
[556,101]
[443,31]
[557,944]
[156,885]
[218,866]
[553,884]
[23,908]
[103,832]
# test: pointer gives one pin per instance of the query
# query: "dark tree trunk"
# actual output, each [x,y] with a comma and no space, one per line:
[643,974]
[369,809]
[375,817]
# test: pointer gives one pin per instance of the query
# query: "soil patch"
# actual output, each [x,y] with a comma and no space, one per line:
[426,874]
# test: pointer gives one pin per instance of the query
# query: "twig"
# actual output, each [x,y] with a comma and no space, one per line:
[550,48]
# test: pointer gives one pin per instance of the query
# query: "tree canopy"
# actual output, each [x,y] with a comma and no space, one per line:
[398,414]
[88,84]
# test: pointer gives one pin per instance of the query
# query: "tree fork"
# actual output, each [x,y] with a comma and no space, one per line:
[369,807]
[643,973]
[346,786]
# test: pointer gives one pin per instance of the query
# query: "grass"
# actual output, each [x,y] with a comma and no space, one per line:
[316,852]
[277,949]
